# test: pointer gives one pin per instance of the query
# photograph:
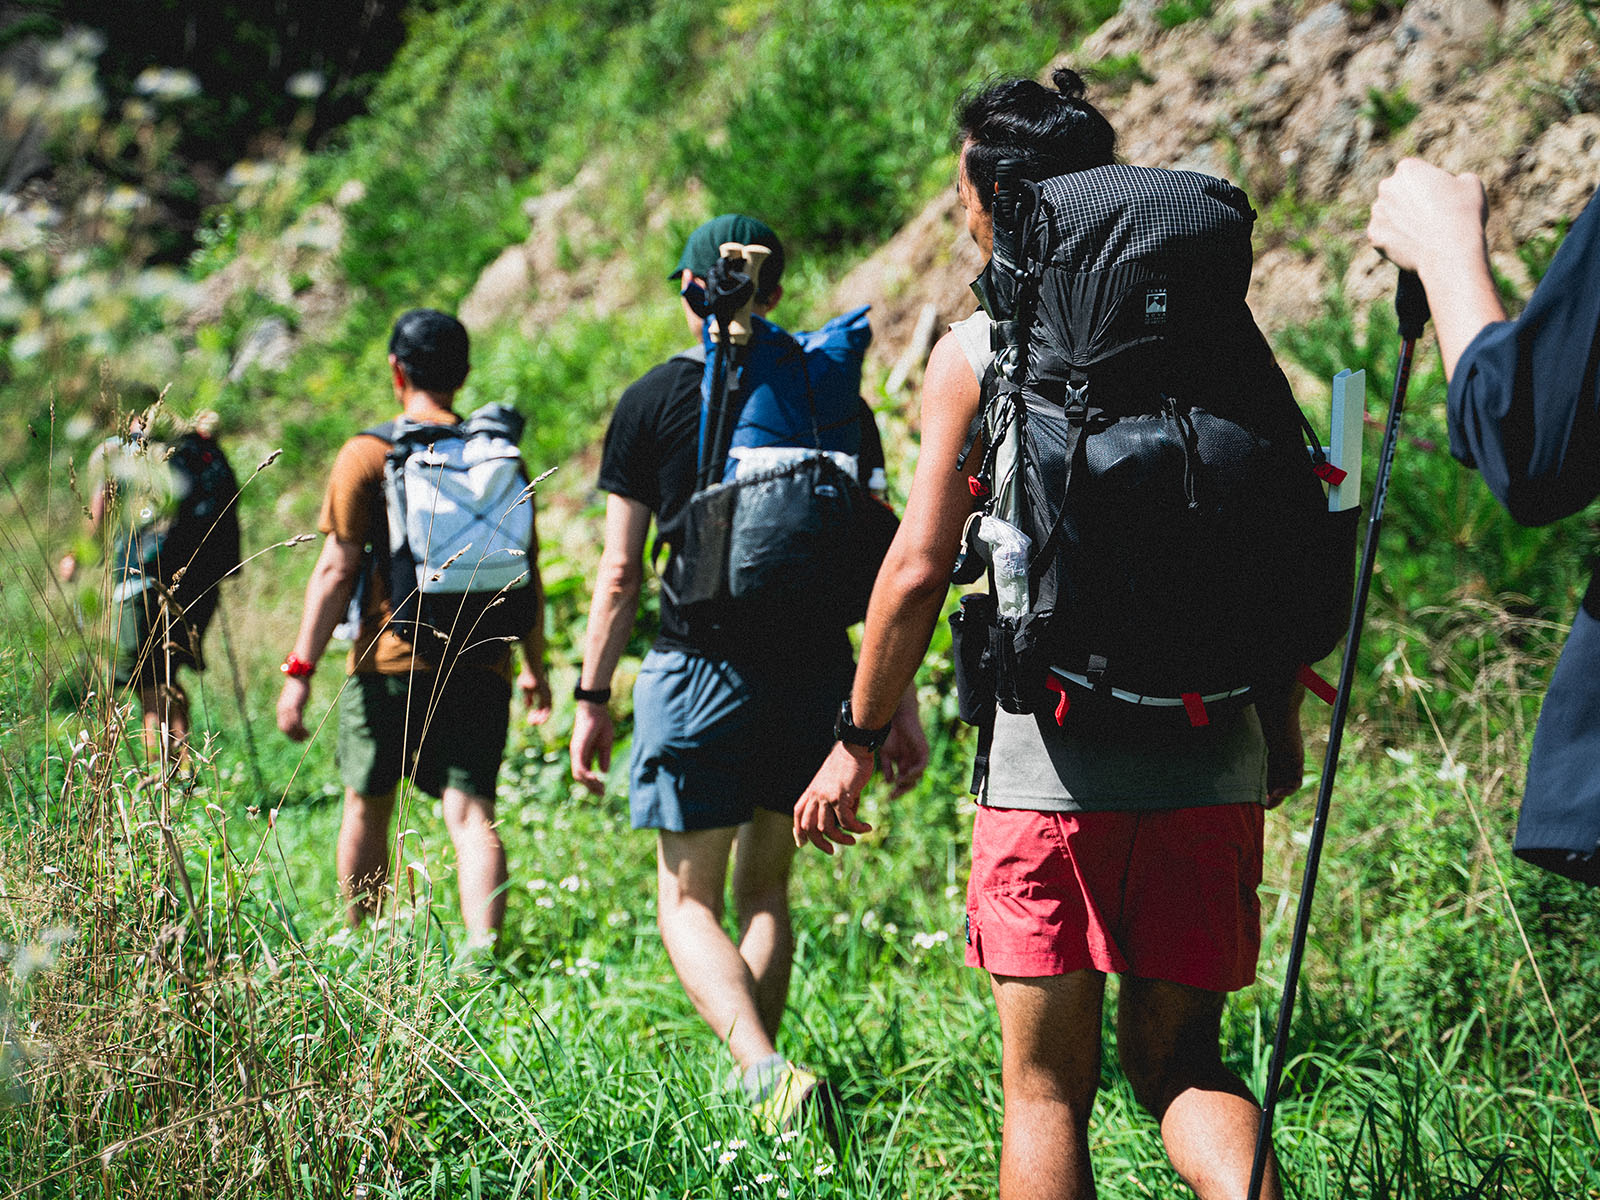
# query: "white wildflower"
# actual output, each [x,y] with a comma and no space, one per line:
[823,1169]
[306,85]
[166,83]
[571,883]
[727,1156]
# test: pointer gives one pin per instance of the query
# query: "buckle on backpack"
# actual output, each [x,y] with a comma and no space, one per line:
[1076,401]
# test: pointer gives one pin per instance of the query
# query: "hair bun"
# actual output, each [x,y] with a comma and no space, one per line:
[1069,83]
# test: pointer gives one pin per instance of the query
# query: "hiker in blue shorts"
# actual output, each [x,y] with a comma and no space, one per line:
[1524,408]
[729,722]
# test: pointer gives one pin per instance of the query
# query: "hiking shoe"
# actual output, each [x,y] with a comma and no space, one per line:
[797,1098]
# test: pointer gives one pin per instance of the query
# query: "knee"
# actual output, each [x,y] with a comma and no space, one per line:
[1158,1079]
[754,897]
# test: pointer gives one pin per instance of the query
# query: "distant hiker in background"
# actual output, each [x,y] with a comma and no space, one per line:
[1119,828]
[734,706]
[164,510]
[1524,409]
[432,548]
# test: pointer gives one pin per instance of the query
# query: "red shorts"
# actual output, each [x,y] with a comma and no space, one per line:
[1165,895]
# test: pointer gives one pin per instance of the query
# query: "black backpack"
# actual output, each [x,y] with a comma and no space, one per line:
[193,552]
[779,532]
[1138,433]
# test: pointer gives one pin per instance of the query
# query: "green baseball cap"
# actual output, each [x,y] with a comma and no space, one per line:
[704,247]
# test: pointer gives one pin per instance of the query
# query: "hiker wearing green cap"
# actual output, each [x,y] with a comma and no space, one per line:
[730,719]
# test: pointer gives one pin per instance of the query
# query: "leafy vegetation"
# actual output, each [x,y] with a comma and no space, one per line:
[181,1009]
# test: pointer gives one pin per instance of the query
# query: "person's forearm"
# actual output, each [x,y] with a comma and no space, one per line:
[611,616]
[1463,299]
[906,602]
[327,599]
[534,647]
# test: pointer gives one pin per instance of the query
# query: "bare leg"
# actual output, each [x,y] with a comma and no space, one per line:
[363,853]
[691,872]
[1167,1039]
[1050,1071]
[165,716]
[480,861]
[763,855]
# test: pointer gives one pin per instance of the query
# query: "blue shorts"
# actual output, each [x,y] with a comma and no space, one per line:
[713,741]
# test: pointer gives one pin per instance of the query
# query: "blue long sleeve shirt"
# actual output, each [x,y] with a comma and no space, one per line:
[1524,409]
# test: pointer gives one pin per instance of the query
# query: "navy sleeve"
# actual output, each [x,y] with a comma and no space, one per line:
[1525,401]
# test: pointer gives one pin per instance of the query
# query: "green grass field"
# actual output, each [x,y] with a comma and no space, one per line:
[185,1011]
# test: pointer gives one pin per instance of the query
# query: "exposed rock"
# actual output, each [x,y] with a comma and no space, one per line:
[1559,175]
[268,345]
[1319,42]
[505,286]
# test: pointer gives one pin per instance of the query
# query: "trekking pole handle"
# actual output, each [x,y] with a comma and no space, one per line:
[1411,305]
[753,256]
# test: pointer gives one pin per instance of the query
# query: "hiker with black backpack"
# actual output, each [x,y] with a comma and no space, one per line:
[432,560]
[756,457]
[1524,409]
[165,509]
[1111,444]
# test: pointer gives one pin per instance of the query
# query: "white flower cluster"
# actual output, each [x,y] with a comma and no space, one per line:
[167,83]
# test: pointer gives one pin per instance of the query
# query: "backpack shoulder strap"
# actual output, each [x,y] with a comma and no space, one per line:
[384,433]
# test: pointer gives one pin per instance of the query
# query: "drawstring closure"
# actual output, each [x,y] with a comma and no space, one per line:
[1191,447]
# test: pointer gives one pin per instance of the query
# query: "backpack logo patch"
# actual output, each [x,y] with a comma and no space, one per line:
[1155,306]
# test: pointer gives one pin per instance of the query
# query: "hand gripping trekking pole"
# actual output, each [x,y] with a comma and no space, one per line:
[1411,305]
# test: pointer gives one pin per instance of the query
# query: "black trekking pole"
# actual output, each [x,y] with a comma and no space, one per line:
[1411,306]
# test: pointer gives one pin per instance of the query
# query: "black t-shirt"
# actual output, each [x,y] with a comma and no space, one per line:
[651,452]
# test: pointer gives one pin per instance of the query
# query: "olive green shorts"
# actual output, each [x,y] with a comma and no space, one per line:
[407,725]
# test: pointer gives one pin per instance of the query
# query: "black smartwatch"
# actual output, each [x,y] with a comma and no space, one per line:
[851,734]
[592,695]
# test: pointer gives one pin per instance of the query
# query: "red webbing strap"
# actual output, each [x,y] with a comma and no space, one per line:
[1196,708]
[1316,684]
[1063,704]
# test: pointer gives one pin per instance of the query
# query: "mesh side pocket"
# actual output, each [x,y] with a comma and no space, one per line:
[972,643]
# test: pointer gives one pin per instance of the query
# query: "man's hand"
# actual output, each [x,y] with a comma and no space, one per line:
[292,708]
[1279,713]
[826,812]
[1425,216]
[592,738]
[535,689]
[905,751]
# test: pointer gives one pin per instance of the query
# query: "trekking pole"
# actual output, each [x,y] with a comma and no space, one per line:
[1411,306]
[730,335]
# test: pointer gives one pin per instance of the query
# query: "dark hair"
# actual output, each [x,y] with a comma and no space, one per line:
[1052,132]
[432,347]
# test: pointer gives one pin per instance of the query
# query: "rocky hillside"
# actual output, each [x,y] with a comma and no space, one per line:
[1305,106]
[1308,110]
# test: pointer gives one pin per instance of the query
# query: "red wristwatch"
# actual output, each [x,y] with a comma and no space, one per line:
[297,668]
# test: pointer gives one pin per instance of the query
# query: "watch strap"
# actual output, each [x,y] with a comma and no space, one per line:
[851,734]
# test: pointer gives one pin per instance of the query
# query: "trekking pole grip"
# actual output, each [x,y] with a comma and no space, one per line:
[1411,305]
[754,256]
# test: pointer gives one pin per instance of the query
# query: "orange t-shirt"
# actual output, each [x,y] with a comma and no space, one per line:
[353,511]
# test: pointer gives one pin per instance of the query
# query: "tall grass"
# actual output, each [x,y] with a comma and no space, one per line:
[184,1010]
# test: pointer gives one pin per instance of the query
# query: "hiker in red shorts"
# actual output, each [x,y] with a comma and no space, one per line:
[1096,851]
